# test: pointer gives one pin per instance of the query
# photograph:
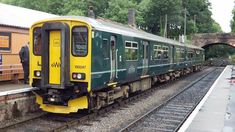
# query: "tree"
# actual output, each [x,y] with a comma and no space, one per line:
[199,13]
[40,5]
[219,51]
[157,10]
[150,14]
[233,22]
[118,10]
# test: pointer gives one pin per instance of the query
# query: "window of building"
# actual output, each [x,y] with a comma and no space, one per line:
[157,52]
[37,41]
[80,41]
[131,51]
[5,41]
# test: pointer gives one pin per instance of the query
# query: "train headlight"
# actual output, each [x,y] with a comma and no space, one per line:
[37,73]
[79,76]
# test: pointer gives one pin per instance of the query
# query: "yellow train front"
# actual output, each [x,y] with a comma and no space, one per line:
[63,84]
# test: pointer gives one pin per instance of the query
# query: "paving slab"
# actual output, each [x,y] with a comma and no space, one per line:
[217,112]
[9,87]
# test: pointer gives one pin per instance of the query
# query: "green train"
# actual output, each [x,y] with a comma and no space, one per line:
[85,63]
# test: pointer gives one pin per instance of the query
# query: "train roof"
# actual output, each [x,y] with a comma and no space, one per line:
[20,17]
[114,27]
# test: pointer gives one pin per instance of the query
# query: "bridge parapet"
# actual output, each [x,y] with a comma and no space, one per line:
[205,39]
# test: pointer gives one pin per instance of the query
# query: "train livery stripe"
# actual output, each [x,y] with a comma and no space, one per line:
[140,67]
[108,71]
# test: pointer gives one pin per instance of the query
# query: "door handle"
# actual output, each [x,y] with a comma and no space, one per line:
[116,63]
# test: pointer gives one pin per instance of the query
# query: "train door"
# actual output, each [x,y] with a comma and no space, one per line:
[113,57]
[56,52]
[54,56]
[145,57]
[171,56]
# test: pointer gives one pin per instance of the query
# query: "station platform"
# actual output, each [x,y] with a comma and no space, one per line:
[216,111]
[8,89]
[16,100]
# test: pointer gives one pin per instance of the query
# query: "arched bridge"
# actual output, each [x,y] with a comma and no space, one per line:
[203,40]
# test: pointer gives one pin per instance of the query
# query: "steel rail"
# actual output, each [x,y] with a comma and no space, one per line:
[86,117]
[139,119]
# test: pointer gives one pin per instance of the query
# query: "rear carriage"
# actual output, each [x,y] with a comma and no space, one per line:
[83,63]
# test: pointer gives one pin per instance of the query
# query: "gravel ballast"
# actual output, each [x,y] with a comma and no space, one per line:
[114,119]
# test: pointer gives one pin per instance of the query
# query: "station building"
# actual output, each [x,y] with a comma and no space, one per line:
[14,33]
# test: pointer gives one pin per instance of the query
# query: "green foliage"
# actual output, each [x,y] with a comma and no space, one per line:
[216,27]
[150,14]
[35,4]
[199,13]
[217,51]
[156,11]
[118,10]
[233,22]
[75,7]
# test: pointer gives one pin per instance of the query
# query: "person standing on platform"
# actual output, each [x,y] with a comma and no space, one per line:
[24,59]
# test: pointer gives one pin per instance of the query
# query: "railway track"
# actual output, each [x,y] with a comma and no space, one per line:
[171,114]
[62,122]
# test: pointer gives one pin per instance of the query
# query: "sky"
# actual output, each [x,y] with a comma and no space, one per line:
[222,13]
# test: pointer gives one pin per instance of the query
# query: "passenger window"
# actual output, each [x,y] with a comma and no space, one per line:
[157,52]
[131,51]
[165,52]
[105,49]
[37,42]
[178,54]
[190,54]
[182,53]
[80,41]
[128,44]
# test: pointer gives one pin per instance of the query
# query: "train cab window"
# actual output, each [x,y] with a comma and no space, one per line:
[157,52]
[80,41]
[131,51]
[37,42]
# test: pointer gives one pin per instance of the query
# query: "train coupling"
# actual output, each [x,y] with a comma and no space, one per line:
[54,97]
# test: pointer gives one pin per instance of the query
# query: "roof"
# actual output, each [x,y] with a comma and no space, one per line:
[114,27]
[20,17]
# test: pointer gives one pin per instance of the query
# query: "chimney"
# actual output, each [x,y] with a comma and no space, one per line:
[91,13]
[131,17]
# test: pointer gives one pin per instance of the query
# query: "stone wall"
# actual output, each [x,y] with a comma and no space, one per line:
[17,105]
[202,40]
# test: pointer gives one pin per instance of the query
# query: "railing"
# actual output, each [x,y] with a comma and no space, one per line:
[12,72]
[187,39]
